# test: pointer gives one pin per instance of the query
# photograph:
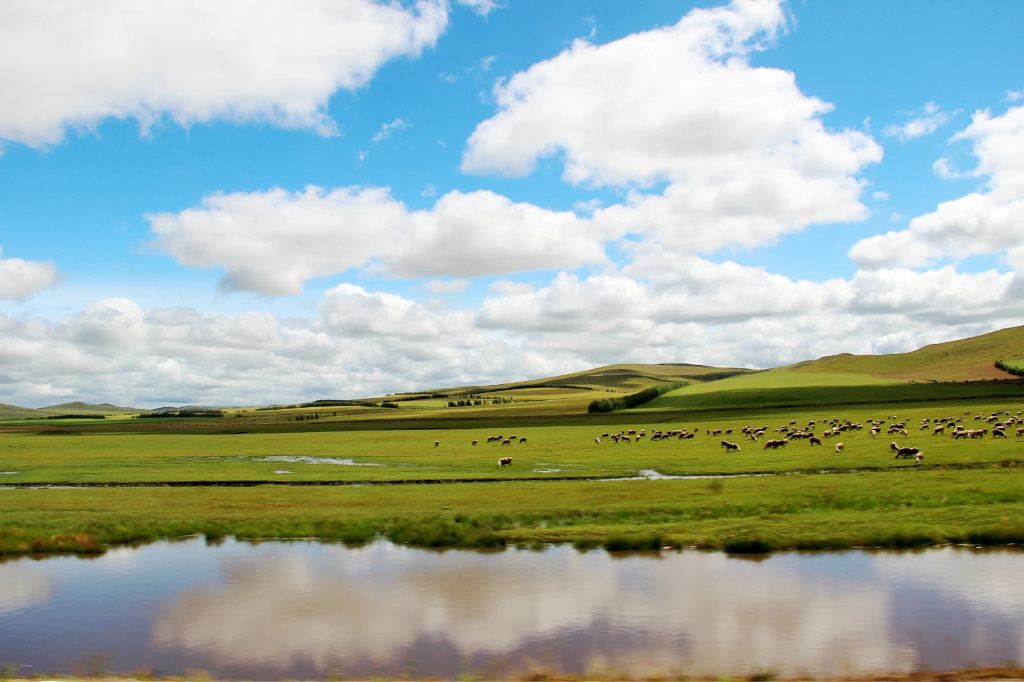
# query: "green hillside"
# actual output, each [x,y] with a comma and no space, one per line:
[944,371]
[963,360]
[15,412]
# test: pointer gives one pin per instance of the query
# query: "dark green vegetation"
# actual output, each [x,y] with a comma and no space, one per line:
[289,472]
[1014,367]
[631,400]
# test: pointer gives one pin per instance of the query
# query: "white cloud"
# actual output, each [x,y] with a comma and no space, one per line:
[386,130]
[920,123]
[881,196]
[661,308]
[1014,95]
[21,278]
[448,286]
[273,242]
[68,65]
[508,287]
[985,222]
[944,169]
[744,153]
[481,7]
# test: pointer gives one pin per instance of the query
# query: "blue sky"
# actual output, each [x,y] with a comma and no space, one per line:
[343,199]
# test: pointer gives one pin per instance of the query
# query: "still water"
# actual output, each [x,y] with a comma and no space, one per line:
[312,610]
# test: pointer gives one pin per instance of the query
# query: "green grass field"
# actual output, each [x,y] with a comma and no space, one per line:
[964,491]
[353,473]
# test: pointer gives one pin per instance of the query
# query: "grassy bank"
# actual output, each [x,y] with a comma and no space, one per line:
[900,508]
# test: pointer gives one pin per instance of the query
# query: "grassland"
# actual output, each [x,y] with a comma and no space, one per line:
[971,491]
[355,472]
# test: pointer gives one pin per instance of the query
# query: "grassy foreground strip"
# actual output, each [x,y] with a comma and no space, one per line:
[901,508]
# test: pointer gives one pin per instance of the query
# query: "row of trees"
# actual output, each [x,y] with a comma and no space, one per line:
[633,399]
[470,402]
[163,414]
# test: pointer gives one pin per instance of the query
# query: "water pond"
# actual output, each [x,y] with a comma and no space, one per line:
[305,610]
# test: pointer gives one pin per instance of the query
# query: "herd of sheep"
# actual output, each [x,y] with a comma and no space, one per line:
[998,423]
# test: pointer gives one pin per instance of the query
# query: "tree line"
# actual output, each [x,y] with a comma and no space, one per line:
[633,399]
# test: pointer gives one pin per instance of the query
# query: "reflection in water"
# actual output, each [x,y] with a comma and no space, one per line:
[21,586]
[308,610]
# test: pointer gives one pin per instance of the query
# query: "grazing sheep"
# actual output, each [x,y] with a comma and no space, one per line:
[522,441]
[939,430]
[597,440]
[813,440]
[475,442]
[730,446]
[774,443]
[437,443]
[906,453]
[507,441]
[504,461]
[839,448]
[918,457]
[998,433]
[1020,432]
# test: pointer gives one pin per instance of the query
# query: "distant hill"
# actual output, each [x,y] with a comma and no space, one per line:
[15,412]
[964,360]
[79,407]
[621,377]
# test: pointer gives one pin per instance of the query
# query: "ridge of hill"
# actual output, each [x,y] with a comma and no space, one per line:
[621,376]
[967,359]
[949,370]
[18,412]
[79,407]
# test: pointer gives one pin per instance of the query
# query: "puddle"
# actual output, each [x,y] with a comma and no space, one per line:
[305,459]
[652,475]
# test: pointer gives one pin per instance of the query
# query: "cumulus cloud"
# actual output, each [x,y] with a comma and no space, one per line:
[360,342]
[981,222]
[924,121]
[71,65]
[743,151]
[21,278]
[274,241]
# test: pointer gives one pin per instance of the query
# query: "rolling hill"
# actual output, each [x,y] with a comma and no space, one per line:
[963,360]
[79,407]
[951,370]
